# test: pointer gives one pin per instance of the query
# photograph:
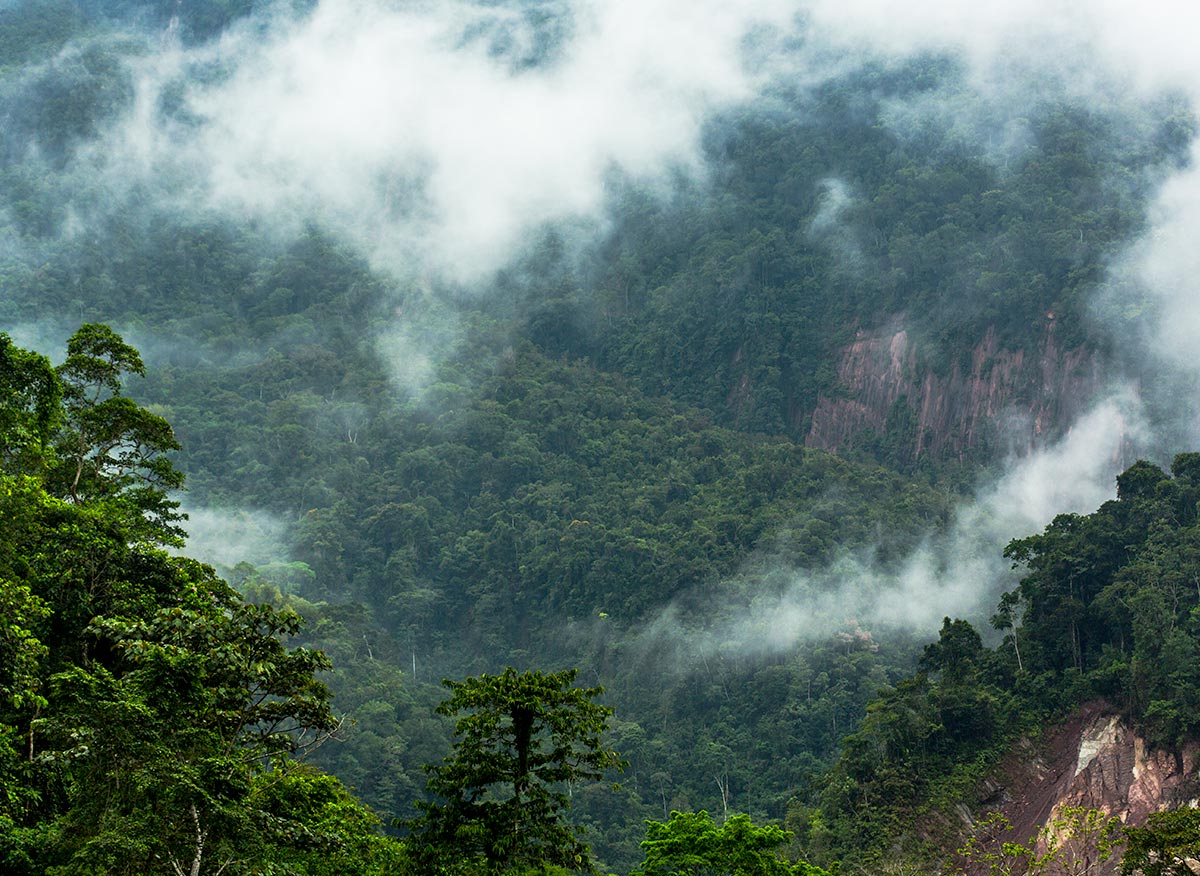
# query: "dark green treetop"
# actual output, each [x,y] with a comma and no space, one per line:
[108,447]
[523,740]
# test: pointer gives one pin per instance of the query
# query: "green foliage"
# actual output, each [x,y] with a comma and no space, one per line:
[225,664]
[21,695]
[30,406]
[20,651]
[1110,599]
[1075,842]
[149,717]
[690,844]
[1167,845]
[180,746]
[525,740]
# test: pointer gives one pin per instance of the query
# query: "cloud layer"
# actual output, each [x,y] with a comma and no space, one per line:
[438,135]
[224,537]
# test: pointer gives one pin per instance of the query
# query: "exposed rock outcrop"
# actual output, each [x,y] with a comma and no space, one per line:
[1093,761]
[1020,394]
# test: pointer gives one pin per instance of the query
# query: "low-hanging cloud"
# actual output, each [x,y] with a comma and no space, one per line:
[1113,54]
[225,537]
[1155,291]
[433,135]
[829,226]
[437,137]
[1083,49]
[957,573]
[1108,54]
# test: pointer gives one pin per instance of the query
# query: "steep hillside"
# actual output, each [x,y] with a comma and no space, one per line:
[1093,761]
[848,267]
[1105,614]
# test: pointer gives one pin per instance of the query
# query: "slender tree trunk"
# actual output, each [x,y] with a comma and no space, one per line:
[723,786]
[198,856]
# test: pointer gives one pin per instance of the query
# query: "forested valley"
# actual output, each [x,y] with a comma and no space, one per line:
[728,501]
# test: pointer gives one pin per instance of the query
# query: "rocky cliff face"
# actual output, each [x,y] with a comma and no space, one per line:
[1094,761]
[1019,395]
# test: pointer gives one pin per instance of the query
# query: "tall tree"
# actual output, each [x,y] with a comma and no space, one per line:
[109,448]
[523,741]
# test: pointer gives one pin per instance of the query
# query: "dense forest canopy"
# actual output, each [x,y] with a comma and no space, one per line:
[151,714]
[530,365]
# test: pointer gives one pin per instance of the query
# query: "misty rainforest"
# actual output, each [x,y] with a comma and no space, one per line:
[622,437]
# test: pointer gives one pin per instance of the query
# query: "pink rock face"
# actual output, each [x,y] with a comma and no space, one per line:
[1010,391]
[1117,775]
[1093,761]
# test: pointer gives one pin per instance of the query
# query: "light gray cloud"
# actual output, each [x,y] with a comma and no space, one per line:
[398,125]
[46,338]
[224,537]
[829,225]
[1085,47]
[1101,55]
[439,136]
[1156,284]
[1108,55]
